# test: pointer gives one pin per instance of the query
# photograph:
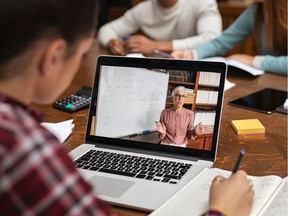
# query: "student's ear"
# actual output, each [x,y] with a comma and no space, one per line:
[53,56]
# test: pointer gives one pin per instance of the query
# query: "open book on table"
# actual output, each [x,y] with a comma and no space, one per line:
[193,198]
[236,64]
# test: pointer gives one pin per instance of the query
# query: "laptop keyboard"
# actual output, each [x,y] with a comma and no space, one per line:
[133,166]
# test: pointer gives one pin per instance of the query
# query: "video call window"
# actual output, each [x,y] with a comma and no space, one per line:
[130,102]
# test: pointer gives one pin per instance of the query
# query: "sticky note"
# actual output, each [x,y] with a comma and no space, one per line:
[248,126]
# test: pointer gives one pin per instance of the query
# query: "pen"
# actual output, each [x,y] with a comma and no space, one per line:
[125,38]
[197,124]
[164,54]
[132,135]
[240,157]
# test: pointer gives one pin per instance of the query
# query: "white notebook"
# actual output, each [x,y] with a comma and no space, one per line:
[237,64]
[193,198]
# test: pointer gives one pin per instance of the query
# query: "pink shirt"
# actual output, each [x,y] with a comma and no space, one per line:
[179,126]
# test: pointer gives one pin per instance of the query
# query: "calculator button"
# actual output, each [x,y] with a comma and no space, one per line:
[69,106]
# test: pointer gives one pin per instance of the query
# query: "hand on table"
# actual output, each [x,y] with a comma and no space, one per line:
[116,47]
[245,59]
[182,54]
[140,44]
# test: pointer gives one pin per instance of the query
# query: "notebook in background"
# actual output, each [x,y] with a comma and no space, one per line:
[237,64]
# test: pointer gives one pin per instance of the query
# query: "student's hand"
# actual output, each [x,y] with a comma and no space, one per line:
[160,127]
[116,47]
[199,129]
[140,44]
[245,59]
[232,196]
[182,54]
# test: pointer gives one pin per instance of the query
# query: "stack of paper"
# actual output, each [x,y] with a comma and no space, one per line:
[61,130]
[248,126]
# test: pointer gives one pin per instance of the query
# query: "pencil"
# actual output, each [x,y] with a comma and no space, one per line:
[164,54]
[238,162]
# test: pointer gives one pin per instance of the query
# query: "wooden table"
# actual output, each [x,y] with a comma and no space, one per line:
[265,154]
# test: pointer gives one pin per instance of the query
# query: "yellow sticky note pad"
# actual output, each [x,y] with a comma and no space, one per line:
[248,126]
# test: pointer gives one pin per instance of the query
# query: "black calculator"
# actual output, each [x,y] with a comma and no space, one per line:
[75,102]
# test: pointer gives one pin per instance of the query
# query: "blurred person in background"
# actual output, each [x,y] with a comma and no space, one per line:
[266,21]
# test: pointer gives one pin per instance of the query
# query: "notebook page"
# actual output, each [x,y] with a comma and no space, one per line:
[279,205]
[193,198]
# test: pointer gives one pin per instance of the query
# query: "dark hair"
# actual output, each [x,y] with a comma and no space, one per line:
[22,22]
[275,15]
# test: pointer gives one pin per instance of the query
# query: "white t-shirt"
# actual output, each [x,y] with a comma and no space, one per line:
[187,24]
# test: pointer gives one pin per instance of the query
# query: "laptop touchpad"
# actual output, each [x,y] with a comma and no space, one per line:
[110,186]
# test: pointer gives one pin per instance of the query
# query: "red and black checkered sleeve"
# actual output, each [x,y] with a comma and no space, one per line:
[38,177]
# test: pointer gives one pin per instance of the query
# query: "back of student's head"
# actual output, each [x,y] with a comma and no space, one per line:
[24,22]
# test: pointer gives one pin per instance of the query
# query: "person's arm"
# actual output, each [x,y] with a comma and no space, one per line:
[268,63]
[160,124]
[123,26]
[145,45]
[46,181]
[194,130]
[69,183]
[232,196]
[208,24]
[232,36]
[273,64]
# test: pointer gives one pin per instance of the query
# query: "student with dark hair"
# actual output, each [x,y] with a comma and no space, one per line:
[266,21]
[41,46]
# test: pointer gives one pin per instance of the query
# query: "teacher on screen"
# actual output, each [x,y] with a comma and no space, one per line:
[176,125]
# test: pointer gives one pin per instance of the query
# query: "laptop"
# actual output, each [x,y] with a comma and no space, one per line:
[122,156]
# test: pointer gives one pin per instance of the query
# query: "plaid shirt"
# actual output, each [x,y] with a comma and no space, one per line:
[37,177]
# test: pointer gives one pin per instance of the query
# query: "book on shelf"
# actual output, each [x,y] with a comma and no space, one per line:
[193,198]
[207,97]
[212,79]
[236,64]
[205,117]
[248,126]
[180,76]
[190,96]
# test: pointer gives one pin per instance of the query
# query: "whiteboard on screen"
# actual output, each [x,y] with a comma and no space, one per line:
[130,100]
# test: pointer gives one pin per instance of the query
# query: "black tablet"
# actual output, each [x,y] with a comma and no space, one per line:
[266,100]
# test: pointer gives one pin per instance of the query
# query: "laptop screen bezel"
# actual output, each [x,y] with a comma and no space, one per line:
[161,63]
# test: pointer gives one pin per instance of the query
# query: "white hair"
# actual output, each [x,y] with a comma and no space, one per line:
[178,88]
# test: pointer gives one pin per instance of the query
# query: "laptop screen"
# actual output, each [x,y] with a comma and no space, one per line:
[134,102]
